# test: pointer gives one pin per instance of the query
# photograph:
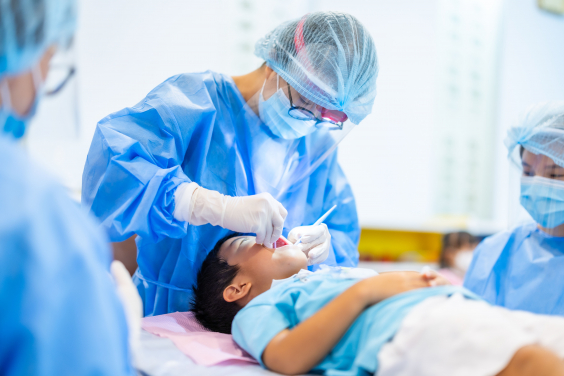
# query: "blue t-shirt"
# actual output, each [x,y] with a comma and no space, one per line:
[520,269]
[294,300]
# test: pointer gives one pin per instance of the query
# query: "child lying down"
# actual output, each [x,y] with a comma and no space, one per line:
[341,322]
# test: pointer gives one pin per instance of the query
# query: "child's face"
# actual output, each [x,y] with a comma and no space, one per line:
[541,165]
[261,264]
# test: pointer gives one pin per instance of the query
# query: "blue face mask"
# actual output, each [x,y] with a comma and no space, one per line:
[274,113]
[12,123]
[544,200]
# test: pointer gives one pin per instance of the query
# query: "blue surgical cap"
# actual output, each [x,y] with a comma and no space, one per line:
[29,27]
[329,58]
[540,130]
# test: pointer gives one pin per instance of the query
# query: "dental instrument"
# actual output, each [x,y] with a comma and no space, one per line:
[319,221]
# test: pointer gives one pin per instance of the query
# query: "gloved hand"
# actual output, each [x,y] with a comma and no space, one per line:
[131,301]
[259,214]
[316,242]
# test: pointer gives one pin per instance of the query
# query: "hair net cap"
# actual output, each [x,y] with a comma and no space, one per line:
[539,130]
[29,27]
[329,58]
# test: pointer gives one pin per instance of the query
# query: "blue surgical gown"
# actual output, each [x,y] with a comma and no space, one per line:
[520,269]
[60,314]
[188,129]
[294,300]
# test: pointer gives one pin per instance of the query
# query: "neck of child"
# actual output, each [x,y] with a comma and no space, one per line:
[556,231]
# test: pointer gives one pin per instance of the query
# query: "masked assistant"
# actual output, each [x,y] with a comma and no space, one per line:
[522,268]
[541,132]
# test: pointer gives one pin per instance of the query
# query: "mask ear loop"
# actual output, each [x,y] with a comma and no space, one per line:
[37,79]
[262,89]
[5,95]
[5,90]
[277,84]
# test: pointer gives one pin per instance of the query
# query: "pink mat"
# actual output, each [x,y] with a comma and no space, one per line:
[202,346]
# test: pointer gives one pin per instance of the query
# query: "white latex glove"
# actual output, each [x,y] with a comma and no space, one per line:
[259,214]
[316,242]
[131,301]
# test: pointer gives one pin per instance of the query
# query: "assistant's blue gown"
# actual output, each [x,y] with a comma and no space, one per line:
[190,129]
[59,314]
[520,269]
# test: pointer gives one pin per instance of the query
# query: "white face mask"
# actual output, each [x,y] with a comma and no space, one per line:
[274,113]
[462,260]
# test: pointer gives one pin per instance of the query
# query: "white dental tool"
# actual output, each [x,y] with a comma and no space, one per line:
[319,221]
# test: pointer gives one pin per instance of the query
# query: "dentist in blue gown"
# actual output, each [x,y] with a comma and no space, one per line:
[205,153]
[60,314]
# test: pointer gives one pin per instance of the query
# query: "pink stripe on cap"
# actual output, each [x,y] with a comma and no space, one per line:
[299,43]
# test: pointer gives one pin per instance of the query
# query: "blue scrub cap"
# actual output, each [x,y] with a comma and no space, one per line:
[329,58]
[29,27]
[539,130]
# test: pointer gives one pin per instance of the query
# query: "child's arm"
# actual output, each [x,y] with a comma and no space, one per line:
[297,350]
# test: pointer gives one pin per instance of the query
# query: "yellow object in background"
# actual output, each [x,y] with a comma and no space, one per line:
[554,6]
[397,245]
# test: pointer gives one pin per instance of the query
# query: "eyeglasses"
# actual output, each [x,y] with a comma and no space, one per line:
[59,76]
[331,119]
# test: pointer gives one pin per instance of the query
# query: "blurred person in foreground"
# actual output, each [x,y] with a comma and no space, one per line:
[61,313]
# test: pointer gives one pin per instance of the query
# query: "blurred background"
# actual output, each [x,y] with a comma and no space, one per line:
[429,160]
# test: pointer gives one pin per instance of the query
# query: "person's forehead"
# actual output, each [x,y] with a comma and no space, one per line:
[230,244]
[531,158]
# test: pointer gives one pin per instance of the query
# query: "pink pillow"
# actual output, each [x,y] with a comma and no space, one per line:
[202,346]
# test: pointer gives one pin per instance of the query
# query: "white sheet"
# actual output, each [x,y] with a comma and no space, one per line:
[459,337]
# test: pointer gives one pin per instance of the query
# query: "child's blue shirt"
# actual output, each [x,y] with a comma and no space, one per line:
[293,300]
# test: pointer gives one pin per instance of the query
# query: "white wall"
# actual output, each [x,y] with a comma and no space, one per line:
[532,71]
[388,157]
[126,47]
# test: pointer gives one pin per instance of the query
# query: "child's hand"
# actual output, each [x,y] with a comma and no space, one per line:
[434,278]
[385,285]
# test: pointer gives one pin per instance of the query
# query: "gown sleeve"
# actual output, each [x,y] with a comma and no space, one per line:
[480,277]
[134,162]
[343,222]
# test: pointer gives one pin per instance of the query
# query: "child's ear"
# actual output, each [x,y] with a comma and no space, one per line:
[235,292]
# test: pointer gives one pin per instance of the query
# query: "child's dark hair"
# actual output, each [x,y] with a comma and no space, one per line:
[208,305]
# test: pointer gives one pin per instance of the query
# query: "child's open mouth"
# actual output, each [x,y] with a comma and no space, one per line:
[281,242]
